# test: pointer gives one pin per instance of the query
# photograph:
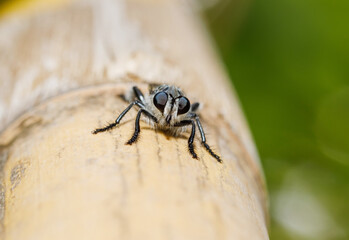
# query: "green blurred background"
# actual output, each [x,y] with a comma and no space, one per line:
[289,63]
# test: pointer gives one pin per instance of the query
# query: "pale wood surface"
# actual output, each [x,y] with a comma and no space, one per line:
[61,72]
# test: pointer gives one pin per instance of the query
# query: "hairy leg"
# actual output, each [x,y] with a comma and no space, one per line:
[137,127]
[117,121]
[203,141]
[192,135]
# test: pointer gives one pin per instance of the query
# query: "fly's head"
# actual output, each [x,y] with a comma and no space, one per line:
[169,104]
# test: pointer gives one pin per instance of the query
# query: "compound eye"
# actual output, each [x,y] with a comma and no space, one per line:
[183,105]
[160,100]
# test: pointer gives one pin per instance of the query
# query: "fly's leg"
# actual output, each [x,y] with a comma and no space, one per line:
[203,141]
[117,121]
[137,127]
[192,135]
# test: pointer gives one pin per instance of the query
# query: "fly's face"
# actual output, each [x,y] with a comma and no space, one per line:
[171,103]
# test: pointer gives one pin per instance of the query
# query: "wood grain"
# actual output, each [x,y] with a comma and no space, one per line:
[62,71]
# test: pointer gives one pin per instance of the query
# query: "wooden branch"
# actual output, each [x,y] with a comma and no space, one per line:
[61,74]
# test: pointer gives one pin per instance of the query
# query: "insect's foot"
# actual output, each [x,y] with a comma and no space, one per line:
[218,158]
[132,140]
[99,130]
[110,126]
[96,131]
[192,152]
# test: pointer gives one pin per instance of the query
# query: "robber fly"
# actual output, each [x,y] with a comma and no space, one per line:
[166,108]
